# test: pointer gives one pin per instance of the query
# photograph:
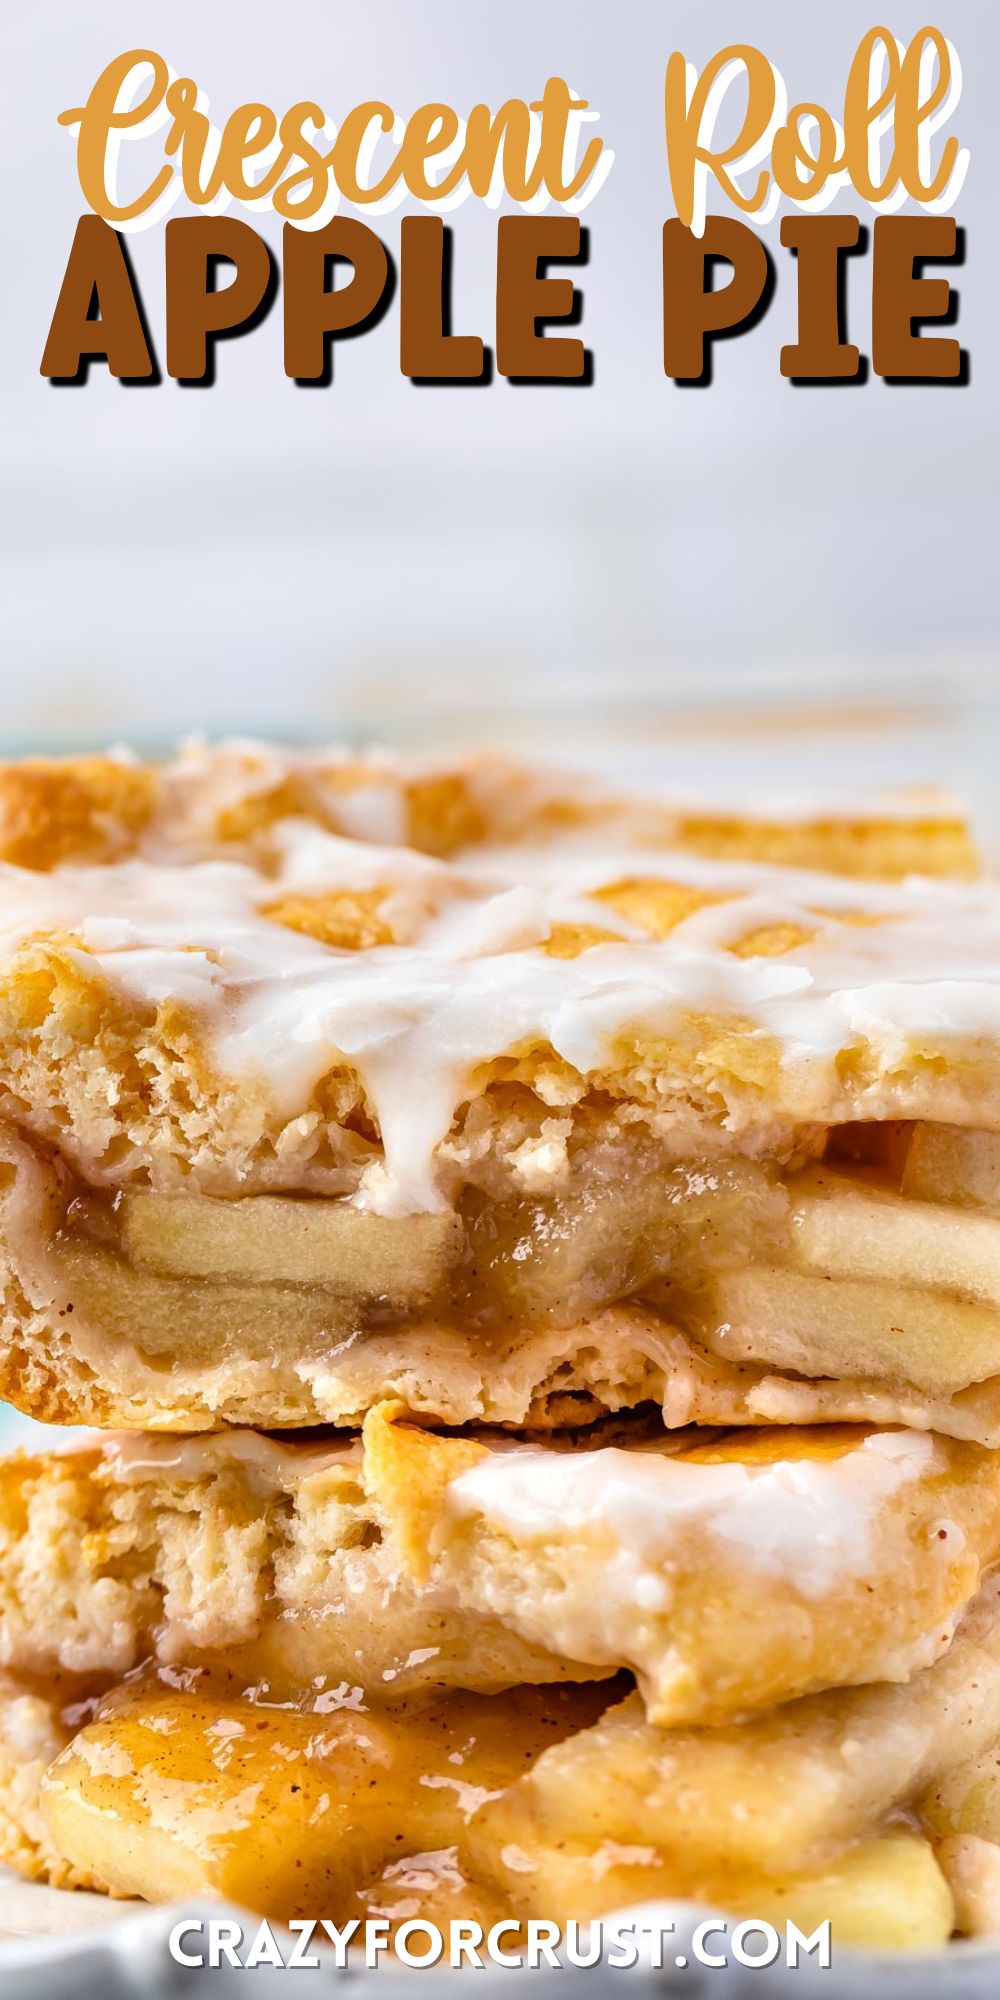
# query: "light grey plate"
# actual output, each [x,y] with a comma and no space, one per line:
[59,1947]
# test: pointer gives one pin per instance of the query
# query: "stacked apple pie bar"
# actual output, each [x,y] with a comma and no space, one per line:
[531,1255]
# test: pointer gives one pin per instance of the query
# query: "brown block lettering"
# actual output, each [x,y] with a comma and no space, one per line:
[900,296]
[526,296]
[197,313]
[693,313]
[97,271]
[315,313]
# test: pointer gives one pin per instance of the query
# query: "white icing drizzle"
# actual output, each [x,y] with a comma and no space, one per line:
[807,1520]
[132,1457]
[278,1009]
[236,768]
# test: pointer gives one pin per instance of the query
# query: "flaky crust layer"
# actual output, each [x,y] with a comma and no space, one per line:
[152,918]
[727,1572]
[256,1563]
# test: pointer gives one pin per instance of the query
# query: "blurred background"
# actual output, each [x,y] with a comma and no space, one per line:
[615,570]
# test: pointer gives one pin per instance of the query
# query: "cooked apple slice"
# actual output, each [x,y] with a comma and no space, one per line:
[850,1327]
[184,1797]
[948,1163]
[779,1794]
[144,1310]
[844,1230]
[171,1794]
[971,1867]
[966,1799]
[961,1813]
[278,1238]
[887,1891]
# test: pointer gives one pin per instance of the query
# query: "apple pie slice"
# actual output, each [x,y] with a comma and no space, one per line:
[314,1674]
[326,1079]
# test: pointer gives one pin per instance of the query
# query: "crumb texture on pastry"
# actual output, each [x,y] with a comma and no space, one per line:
[247,970]
[727,1571]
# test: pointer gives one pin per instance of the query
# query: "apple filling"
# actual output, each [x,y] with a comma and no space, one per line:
[547,1261]
[876,1265]
[805,1786]
[555,1802]
[189,1792]
[886,1267]
[196,1277]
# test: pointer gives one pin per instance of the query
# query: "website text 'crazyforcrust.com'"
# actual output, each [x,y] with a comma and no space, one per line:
[308,1943]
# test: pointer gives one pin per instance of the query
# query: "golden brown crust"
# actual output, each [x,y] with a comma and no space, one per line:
[927,845]
[409,1470]
[105,807]
[252,1562]
[346,919]
[386,1566]
[77,809]
[130,1084]
[547,1539]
